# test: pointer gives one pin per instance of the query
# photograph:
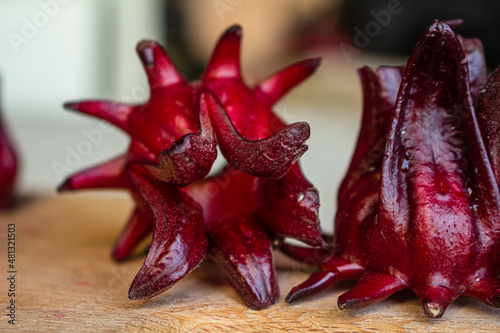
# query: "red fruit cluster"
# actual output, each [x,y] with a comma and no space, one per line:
[419,207]
[233,216]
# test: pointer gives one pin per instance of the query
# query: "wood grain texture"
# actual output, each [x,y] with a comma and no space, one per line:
[68,282]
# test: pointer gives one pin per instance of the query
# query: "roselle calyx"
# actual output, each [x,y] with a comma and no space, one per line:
[8,166]
[230,216]
[419,207]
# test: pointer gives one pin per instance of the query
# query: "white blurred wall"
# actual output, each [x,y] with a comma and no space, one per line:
[52,51]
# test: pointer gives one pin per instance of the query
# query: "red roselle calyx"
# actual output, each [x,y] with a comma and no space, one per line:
[233,216]
[419,206]
[8,167]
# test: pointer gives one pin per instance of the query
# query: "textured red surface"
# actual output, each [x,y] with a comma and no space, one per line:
[233,216]
[419,206]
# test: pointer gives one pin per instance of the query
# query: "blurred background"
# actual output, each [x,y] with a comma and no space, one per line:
[53,51]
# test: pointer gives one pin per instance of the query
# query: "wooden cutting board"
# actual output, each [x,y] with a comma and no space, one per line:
[66,281]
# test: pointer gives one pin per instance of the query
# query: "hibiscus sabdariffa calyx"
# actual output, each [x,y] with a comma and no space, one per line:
[233,216]
[419,207]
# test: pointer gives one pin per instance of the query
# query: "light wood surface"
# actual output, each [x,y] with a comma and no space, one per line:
[66,281]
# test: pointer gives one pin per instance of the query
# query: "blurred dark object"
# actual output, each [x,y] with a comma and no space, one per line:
[177,42]
[319,32]
[8,167]
[399,32]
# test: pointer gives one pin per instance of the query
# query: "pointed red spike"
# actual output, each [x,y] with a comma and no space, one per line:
[242,248]
[278,84]
[314,284]
[436,299]
[115,113]
[372,288]
[335,269]
[179,242]
[309,255]
[138,227]
[110,174]
[271,157]
[225,61]
[159,68]
[486,291]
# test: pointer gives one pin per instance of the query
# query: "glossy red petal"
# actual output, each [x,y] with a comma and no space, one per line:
[271,157]
[110,174]
[289,207]
[242,248]
[190,158]
[179,240]
[171,113]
